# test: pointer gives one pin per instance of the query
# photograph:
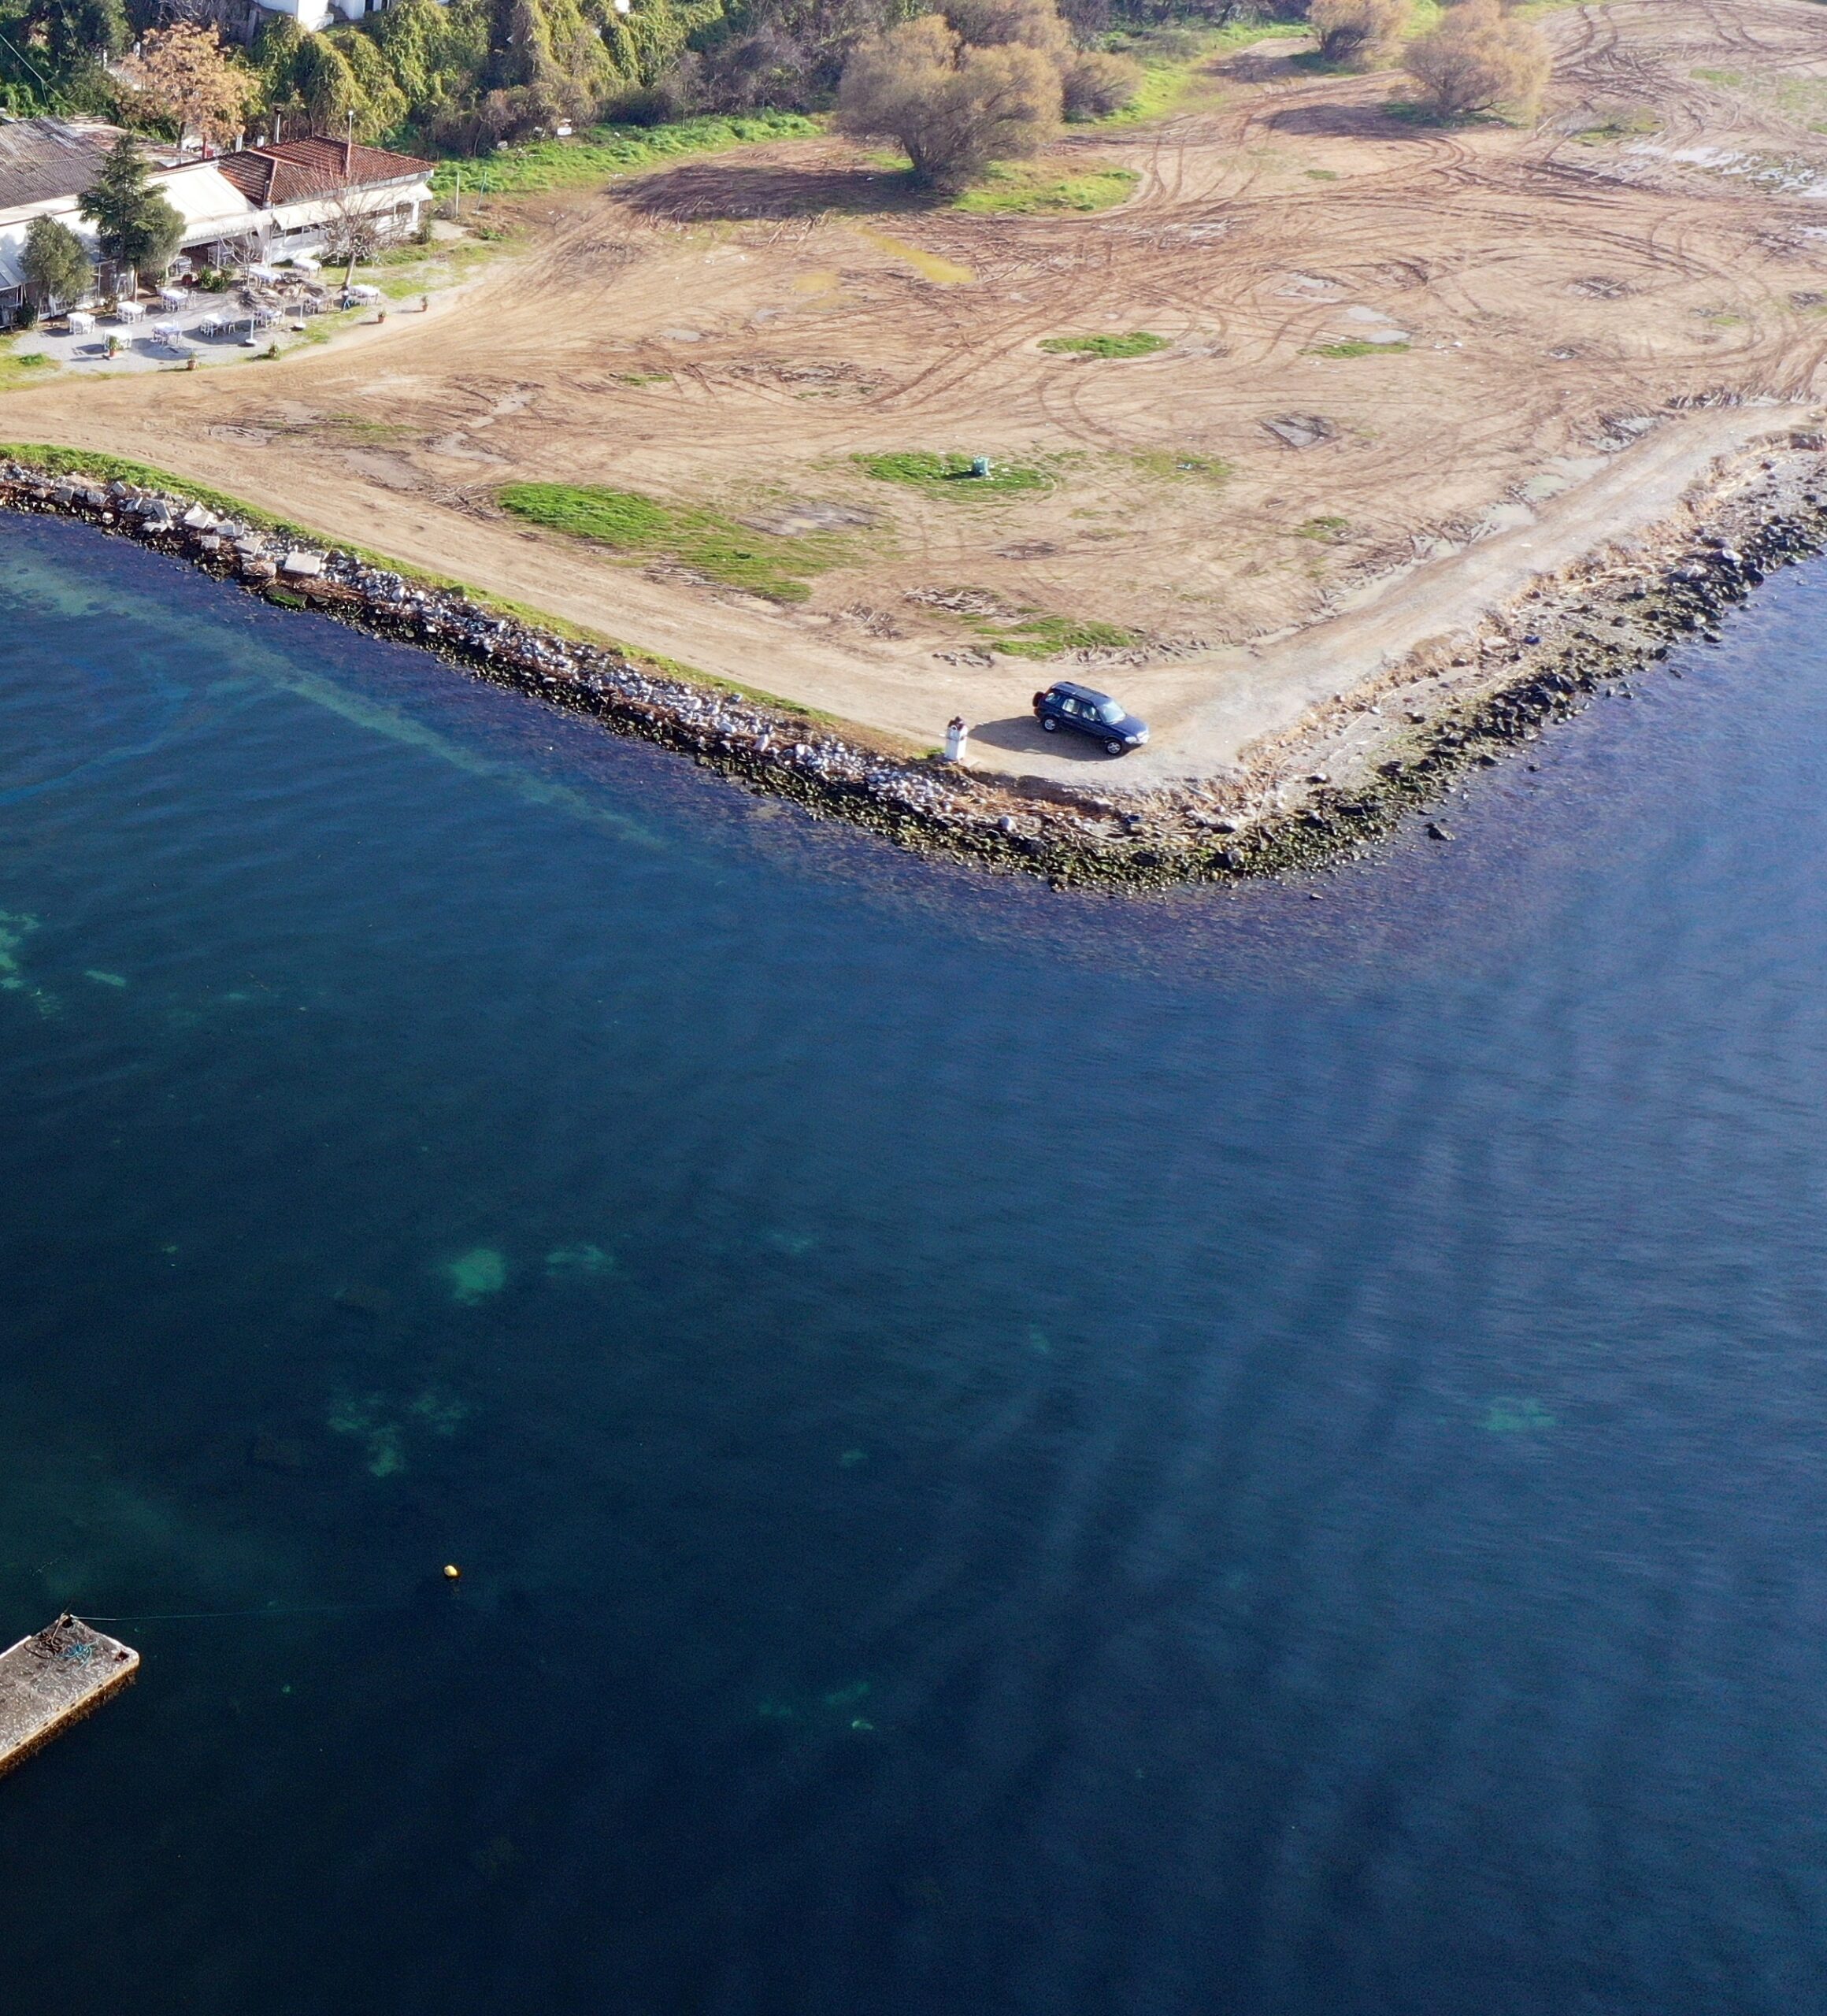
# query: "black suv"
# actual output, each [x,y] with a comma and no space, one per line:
[1063,705]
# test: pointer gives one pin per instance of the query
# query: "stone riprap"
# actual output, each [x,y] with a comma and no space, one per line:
[1467,699]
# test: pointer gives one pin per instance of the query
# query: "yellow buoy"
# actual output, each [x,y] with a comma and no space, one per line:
[452,1571]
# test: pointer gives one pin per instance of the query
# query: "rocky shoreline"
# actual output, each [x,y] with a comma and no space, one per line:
[1344,778]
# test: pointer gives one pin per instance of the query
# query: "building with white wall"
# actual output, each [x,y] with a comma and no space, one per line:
[258,204]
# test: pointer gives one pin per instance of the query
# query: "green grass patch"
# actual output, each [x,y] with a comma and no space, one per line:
[428,268]
[359,427]
[608,151]
[1176,465]
[1137,343]
[1325,531]
[1027,189]
[19,369]
[113,468]
[1323,175]
[1047,636]
[105,468]
[950,476]
[760,563]
[1027,632]
[1354,348]
[1177,62]
[1639,123]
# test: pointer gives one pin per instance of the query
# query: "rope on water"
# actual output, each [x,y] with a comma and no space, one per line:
[203,1616]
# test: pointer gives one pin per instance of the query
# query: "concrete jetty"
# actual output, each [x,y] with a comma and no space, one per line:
[54,1678]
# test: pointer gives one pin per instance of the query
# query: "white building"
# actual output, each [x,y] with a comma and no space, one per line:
[320,13]
[258,203]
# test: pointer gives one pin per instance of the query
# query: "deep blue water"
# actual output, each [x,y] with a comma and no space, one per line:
[1011,1454]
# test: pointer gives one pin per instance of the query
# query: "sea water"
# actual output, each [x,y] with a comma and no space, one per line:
[1009,1453]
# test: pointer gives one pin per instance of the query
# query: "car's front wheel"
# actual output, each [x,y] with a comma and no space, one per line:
[1113,749]
[1050,725]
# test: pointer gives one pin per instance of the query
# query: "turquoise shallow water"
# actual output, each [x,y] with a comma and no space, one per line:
[1010,1453]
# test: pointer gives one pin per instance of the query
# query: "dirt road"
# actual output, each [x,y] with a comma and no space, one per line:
[1403,367]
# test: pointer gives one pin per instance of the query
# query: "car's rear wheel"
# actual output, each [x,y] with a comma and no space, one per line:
[1050,725]
[1113,749]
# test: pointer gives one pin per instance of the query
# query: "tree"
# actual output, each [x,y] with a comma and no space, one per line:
[1095,82]
[380,105]
[324,84]
[1003,23]
[354,229]
[1476,59]
[134,226]
[73,34]
[1358,31]
[54,263]
[182,73]
[952,106]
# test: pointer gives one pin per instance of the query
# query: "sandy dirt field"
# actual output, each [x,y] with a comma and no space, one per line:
[1537,339]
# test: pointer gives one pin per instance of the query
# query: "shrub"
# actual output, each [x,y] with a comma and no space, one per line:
[1003,23]
[953,106]
[1095,84]
[1358,31]
[1476,59]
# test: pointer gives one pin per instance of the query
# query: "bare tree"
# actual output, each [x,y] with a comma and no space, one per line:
[355,228]
[996,24]
[1358,30]
[1094,82]
[1476,59]
[182,73]
[953,107]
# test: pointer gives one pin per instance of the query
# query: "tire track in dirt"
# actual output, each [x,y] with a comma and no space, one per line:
[1546,284]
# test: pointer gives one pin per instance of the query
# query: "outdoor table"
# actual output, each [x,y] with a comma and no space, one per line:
[128,311]
[173,297]
[165,333]
[80,323]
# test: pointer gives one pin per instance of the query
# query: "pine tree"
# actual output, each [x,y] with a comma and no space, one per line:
[134,226]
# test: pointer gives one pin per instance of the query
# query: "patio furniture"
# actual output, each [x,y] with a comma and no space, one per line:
[128,311]
[81,322]
[173,297]
[165,333]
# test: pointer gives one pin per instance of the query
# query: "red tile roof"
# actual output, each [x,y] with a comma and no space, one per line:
[289,171]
